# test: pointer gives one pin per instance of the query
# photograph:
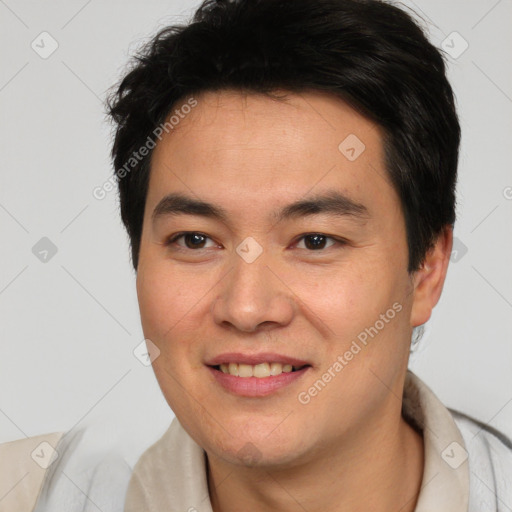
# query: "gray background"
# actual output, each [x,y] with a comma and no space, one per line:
[69,325]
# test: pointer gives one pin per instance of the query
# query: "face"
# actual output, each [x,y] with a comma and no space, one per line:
[266,241]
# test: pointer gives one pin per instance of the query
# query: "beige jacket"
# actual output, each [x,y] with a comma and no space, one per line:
[468,467]
[23,465]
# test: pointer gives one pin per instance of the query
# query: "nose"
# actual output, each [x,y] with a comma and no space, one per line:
[253,296]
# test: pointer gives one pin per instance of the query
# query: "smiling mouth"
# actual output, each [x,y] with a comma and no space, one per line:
[262,370]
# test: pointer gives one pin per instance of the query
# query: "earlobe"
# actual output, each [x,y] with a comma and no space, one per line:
[429,279]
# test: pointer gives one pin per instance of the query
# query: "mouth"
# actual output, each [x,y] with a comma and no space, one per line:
[256,375]
[260,371]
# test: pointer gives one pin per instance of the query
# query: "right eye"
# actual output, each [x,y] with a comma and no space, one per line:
[192,240]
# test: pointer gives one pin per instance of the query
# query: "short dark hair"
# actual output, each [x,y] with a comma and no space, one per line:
[369,53]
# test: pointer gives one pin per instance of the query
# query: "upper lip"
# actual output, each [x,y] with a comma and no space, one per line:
[253,359]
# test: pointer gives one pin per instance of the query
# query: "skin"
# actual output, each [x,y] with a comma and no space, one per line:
[348,448]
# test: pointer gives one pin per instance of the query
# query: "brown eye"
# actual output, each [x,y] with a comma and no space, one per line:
[316,241]
[193,240]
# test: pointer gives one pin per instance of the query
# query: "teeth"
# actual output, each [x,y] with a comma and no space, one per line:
[259,370]
[276,368]
[244,370]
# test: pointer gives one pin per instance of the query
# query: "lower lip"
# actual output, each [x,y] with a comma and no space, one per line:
[256,386]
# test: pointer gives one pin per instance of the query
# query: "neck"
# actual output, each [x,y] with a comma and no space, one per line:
[376,471]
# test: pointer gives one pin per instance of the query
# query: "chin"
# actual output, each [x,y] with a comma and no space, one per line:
[257,450]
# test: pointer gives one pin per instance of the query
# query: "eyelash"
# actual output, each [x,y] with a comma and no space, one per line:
[173,238]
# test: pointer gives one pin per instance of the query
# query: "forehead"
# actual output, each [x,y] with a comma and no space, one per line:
[249,150]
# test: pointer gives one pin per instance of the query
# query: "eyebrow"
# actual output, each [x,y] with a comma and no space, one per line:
[331,203]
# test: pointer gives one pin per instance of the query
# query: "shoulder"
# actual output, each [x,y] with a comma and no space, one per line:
[490,463]
[482,439]
[23,465]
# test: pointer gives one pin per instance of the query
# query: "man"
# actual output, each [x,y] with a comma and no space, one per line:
[287,174]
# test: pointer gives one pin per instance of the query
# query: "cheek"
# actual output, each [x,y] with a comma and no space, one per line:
[343,299]
[172,308]
[165,297]
[350,303]
[155,303]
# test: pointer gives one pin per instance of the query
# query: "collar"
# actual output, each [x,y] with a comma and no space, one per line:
[445,482]
[171,474]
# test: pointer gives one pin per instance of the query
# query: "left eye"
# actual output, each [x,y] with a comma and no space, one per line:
[316,241]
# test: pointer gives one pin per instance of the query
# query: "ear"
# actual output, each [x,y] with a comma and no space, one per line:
[429,279]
